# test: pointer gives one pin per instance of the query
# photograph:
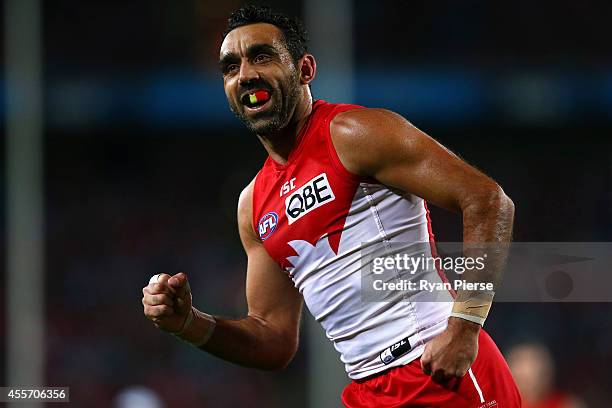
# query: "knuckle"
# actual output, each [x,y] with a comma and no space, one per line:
[161,310]
[165,300]
[155,300]
[441,373]
[159,288]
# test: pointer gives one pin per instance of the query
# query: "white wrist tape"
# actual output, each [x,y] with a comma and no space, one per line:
[189,321]
[475,308]
[209,332]
[154,278]
[187,324]
[469,318]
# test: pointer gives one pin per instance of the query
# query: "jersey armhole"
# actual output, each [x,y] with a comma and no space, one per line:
[254,220]
[331,149]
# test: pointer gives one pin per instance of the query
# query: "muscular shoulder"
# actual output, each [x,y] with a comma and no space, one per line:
[245,214]
[245,200]
[356,120]
[365,138]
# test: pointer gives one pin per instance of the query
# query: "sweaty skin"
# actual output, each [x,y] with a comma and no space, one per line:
[369,142]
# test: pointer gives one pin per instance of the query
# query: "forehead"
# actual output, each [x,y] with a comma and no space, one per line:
[239,39]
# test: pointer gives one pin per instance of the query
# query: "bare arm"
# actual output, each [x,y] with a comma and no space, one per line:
[383,145]
[267,338]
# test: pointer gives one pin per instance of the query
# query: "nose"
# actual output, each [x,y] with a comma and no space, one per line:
[247,73]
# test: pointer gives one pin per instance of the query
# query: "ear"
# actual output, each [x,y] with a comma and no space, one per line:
[308,69]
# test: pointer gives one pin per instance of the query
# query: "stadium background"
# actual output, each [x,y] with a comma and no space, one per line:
[143,164]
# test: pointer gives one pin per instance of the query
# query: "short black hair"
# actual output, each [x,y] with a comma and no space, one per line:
[294,33]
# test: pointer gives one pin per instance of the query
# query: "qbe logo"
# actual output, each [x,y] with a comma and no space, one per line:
[267,225]
[313,194]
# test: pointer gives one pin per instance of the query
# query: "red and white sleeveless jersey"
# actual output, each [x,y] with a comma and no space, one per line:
[313,217]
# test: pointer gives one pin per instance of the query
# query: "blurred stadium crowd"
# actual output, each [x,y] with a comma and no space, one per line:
[144,164]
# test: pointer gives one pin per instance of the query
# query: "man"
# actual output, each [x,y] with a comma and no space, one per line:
[340,178]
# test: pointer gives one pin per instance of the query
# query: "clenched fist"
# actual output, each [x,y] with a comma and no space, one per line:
[451,354]
[167,302]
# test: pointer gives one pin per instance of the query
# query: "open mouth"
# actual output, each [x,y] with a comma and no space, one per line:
[255,100]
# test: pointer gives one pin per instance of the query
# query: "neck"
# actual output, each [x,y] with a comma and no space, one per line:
[280,144]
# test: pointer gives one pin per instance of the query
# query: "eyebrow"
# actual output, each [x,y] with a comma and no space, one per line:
[251,51]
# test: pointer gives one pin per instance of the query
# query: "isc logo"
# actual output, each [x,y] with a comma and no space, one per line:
[267,225]
[311,195]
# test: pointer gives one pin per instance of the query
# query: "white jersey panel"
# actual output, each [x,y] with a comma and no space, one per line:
[331,283]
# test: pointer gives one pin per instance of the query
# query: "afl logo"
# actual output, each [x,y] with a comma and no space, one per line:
[267,225]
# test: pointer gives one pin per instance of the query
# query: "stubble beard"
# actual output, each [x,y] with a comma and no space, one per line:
[279,114]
